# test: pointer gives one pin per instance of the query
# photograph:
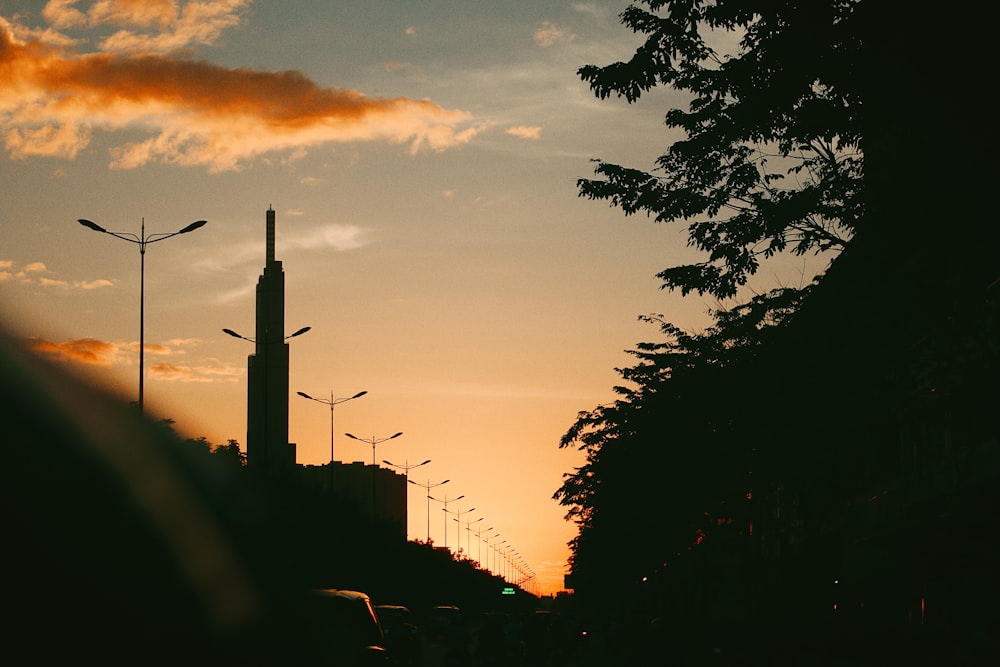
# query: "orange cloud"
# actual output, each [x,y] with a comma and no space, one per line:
[195,113]
[175,373]
[83,350]
[94,352]
[174,25]
[32,274]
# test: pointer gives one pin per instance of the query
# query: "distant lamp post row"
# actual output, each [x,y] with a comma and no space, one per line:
[142,241]
[332,402]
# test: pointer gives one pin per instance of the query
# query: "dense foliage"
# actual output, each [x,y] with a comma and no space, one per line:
[770,158]
[770,162]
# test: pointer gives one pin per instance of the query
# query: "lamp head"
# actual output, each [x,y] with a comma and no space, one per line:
[304,395]
[93,225]
[193,226]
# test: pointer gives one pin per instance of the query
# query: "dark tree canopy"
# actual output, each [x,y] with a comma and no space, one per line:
[673,446]
[770,161]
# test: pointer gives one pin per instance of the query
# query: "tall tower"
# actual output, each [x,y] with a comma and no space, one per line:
[268,449]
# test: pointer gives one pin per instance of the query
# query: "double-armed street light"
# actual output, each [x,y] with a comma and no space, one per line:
[428,486]
[445,501]
[479,537]
[253,340]
[459,512]
[490,546]
[468,535]
[500,551]
[332,402]
[373,441]
[261,411]
[406,468]
[142,241]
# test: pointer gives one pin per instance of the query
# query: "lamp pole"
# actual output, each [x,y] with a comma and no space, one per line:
[446,501]
[500,551]
[406,468]
[332,402]
[428,486]
[142,241]
[479,537]
[265,436]
[374,441]
[468,535]
[459,512]
[490,547]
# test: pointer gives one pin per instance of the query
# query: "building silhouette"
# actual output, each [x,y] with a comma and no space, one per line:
[376,492]
[268,449]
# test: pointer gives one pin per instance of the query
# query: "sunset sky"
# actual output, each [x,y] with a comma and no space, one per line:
[421,158]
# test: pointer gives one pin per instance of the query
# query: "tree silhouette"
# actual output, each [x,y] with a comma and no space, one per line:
[770,158]
[769,162]
[676,449]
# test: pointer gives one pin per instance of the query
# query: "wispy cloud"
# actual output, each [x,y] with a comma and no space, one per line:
[193,113]
[148,26]
[525,132]
[406,68]
[34,273]
[336,237]
[82,350]
[201,373]
[548,34]
[93,352]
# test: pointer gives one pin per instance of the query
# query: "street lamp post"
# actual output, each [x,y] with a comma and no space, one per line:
[468,535]
[445,501]
[332,402]
[406,468]
[142,241]
[479,537]
[490,546]
[500,551]
[264,408]
[252,340]
[459,512]
[374,441]
[428,486]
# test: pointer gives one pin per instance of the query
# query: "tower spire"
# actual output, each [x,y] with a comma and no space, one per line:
[270,234]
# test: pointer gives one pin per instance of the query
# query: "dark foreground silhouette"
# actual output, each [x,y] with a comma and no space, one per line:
[121,546]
